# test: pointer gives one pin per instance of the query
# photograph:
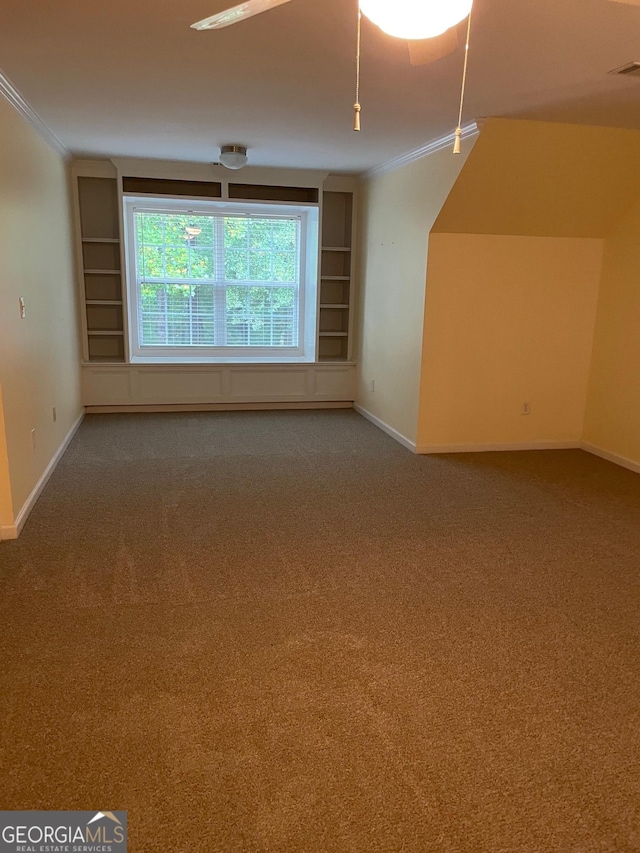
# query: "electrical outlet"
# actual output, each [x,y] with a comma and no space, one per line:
[55,415]
[23,308]
[526,408]
[33,438]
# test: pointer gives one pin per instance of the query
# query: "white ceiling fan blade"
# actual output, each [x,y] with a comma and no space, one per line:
[237,13]
[425,51]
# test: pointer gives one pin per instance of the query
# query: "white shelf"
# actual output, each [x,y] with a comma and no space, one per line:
[99,244]
[336,256]
[100,240]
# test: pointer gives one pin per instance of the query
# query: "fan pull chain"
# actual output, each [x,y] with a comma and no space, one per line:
[356,106]
[456,144]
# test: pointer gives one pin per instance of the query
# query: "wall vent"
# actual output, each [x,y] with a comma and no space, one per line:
[631,69]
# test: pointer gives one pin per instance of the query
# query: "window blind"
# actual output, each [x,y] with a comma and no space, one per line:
[217,280]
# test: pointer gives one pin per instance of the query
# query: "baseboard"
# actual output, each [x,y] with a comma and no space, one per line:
[217,407]
[12,531]
[401,439]
[612,457]
[427,449]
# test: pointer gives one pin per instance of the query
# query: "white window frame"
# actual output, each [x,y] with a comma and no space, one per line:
[308,284]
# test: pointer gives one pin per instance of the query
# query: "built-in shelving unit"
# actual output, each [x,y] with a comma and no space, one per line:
[101,268]
[99,186]
[336,275]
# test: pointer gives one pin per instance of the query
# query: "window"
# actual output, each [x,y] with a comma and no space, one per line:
[211,280]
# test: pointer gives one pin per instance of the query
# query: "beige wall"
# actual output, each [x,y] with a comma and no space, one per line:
[6,505]
[39,356]
[397,211]
[612,421]
[508,320]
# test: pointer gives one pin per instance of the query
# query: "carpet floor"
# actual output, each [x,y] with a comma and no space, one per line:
[284,633]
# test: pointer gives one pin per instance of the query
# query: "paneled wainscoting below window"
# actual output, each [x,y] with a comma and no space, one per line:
[131,386]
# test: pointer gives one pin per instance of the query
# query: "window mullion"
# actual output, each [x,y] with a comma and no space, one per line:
[271,293]
[191,291]
[139,269]
[219,293]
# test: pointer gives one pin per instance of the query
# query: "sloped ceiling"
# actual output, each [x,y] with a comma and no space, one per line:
[542,179]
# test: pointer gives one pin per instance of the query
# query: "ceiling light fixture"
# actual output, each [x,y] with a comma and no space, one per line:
[413,20]
[416,19]
[233,156]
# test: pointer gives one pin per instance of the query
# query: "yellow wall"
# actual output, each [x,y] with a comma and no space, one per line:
[39,356]
[489,302]
[508,320]
[612,421]
[397,211]
[541,179]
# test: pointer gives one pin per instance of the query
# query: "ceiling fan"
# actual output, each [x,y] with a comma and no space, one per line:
[430,28]
[422,51]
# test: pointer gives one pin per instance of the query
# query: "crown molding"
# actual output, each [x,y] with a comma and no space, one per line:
[13,96]
[469,130]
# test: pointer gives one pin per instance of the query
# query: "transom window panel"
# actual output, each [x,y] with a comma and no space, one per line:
[217,279]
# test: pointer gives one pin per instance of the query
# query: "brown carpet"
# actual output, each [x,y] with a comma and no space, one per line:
[283,633]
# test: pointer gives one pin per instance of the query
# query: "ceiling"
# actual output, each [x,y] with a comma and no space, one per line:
[132,79]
